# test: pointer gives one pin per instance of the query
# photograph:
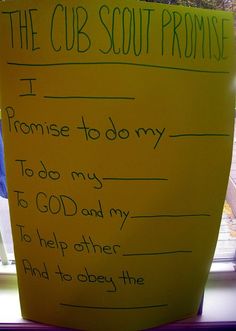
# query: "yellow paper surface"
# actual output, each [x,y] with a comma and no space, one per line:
[118,124]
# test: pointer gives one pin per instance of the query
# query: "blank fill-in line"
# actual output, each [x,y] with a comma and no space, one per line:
[113,307]
[28,95]
[134,178]
[158,253]
[92,97]
[182,135]
[170,215]
[164,216]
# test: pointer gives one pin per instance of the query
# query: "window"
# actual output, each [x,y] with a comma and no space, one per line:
[6,246]
[226,245]
[225,250]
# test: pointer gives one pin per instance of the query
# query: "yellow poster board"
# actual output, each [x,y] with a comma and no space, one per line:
[118,128]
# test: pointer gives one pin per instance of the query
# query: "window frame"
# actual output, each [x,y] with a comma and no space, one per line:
[217,282]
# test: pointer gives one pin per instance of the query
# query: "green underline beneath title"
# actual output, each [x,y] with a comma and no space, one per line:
[119,63]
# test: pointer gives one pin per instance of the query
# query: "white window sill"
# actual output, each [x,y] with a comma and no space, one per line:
[219,309]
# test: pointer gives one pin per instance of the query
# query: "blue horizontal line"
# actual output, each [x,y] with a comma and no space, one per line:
[117,63]
[113,308]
